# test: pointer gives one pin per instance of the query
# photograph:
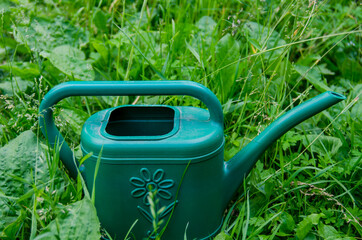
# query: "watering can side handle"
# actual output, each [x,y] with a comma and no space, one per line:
[116,88]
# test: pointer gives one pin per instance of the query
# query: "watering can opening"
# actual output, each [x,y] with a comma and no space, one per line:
[340,96]
[131,121]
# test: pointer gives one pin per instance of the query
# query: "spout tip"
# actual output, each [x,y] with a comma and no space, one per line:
[337,95]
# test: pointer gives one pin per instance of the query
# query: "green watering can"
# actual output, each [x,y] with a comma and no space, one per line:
[175,155]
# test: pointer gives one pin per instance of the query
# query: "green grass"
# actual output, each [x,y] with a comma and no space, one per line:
[261,58]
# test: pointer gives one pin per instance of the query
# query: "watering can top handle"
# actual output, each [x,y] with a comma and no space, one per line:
[128,88]
[116,88]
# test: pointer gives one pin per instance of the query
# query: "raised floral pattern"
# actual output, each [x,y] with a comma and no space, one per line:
[151,187]
[151,182]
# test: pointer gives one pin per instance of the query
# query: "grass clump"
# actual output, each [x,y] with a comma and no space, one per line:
[260,58]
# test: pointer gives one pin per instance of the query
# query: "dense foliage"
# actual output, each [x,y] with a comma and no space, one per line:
[260,58]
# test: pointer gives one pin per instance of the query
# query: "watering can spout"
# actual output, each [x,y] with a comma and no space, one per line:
[241,164]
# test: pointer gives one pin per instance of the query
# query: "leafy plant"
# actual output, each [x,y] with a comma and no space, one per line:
[261,58]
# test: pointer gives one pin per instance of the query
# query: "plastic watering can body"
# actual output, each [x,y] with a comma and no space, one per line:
[151,148]
[162,165]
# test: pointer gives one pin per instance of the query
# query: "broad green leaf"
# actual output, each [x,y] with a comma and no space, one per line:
[310,236]
[204,36]
[313,76]
[4,5]
[287,223]
[327,231]
[100,20]
[291,138]
[263,237]
[17,163]
[357,110]
[16,85]
[52,71]
[206,25]
[119,39]
[195,53]
[12,229]
[71,62]
[259,36]
[24,70]
[2,53]
[349,64]
[357,107]
[18,158]
[315,218]
[306,224]
[230,106]
[257,221]
[223,236]
[79,221]
[42,35]
[267,188]
[323,145]
[322,68]
[101,49]
[227,52]
[136,67]
[5,15]
[73,118]
[303,228]
[136,19]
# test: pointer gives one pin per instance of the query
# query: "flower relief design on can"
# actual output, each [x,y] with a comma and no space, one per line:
[158,187]
[148,182]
